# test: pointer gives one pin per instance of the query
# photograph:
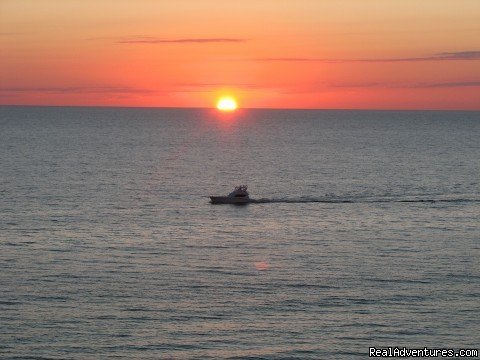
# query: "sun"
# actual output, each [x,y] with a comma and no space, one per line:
[227,103]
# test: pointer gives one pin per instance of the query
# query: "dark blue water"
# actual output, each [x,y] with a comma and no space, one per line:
[365,233]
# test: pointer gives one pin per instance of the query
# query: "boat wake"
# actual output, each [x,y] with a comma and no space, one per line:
[339,200]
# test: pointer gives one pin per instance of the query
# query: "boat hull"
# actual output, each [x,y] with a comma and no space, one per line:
[217,200]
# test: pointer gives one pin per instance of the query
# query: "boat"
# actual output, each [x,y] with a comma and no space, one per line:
[239,196]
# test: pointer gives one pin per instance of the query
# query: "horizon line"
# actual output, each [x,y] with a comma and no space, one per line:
[239,109]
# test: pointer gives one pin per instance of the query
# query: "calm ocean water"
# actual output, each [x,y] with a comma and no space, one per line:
[367,235]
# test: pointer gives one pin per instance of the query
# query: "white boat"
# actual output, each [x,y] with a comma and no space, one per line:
[239,196]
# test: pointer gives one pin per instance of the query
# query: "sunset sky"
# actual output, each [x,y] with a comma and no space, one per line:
[343,54]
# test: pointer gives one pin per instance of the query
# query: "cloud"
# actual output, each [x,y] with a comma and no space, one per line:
[450,84]
[361,85]
[453,84]
[126,90]
[444,56]
[322,86]
[152,40]
[460,55]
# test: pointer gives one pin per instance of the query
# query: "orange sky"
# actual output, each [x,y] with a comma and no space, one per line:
[364,54]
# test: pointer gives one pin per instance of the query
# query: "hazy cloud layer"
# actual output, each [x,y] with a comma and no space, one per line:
[460,55]
[452,84]
[218,85]
[125,90]
[79,89]
[152,40]
[207,87]
[444,56]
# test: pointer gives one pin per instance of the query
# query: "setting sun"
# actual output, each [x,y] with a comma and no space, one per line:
[226,103]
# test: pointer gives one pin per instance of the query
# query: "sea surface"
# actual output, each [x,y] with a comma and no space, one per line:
[366,233]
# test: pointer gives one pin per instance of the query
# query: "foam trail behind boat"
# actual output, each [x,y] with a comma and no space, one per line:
[362,200]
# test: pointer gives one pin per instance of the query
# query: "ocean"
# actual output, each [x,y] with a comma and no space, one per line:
[367,233]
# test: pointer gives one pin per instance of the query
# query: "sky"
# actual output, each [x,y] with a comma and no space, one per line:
[323,54]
